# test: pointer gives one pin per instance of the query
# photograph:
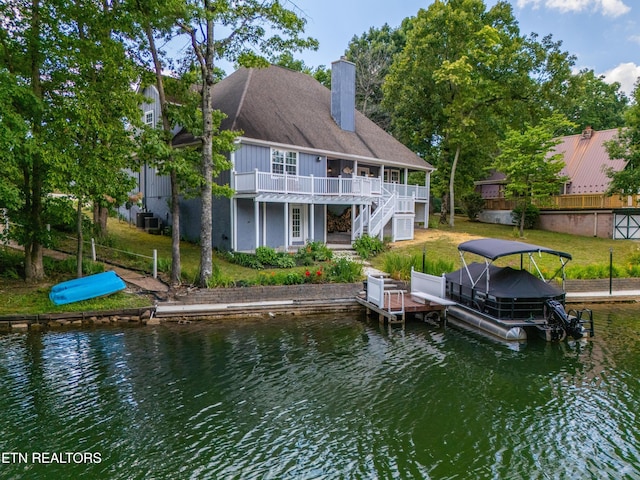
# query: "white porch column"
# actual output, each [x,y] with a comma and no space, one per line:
[353,220]
[286,227]
[264,223]
[427,181]
[256,219]
[234,224]
[312,219]
[325,224]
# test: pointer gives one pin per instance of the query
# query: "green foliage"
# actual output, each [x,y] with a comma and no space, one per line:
[69,266]
[399,265]
[531,215]
[595,271]
[594,102]
[266,255]
[313,252]
[473,204]
[11,265]
[218,279]
[368,247]
[344,270]
[627,147]
[373,53]
[60,213]
[164,265]
[244,259]
[531,172]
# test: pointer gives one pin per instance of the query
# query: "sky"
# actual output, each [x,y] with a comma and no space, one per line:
[604,35]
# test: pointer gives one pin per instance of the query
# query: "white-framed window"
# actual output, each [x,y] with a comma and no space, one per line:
[148,118]
[283,161]
[392,176]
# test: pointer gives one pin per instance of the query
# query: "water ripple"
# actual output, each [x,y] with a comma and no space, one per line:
[321,398]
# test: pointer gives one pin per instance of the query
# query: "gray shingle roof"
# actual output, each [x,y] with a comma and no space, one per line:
[282,106]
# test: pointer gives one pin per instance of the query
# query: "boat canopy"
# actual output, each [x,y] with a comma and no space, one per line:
[506,282]
[493,248]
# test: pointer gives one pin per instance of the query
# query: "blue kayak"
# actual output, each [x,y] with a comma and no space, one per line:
[84,288]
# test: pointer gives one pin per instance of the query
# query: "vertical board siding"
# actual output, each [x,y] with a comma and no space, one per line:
[252,157]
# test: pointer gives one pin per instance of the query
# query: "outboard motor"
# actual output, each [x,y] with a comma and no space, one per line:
[555,315]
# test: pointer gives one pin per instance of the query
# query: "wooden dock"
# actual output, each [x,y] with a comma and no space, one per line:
[390,312]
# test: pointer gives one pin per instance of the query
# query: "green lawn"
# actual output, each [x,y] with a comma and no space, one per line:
[590,255]
[590,260]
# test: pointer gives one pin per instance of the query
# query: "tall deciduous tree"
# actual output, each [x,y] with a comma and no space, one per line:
[627,146]
[247,32]
[373,53]
[595,103]
[30,55]
[466,75]
[531,172]
[153,20]
[92,119]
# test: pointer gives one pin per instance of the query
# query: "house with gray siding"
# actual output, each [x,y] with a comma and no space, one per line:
[305,155]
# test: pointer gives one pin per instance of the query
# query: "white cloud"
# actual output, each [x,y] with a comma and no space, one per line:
[610,8]
[626,74]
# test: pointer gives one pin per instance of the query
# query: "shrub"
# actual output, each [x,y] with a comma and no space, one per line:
[11,265]
[313,252]
[266,255]
[284,260]
[344,271]
[473,204]
[368,247]
[244,259]
[532,213]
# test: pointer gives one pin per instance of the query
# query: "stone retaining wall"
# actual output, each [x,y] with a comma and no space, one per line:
[602,285]
[321,291]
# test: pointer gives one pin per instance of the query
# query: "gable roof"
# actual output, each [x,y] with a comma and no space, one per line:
[586,161]
[285,107]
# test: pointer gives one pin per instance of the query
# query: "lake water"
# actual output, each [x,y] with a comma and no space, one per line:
[319,397]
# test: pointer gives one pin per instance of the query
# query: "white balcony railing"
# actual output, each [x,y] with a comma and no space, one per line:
[264,182]
[402,190]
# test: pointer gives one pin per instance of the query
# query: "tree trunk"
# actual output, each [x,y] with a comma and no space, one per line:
[33,172]
[175,230]
[100,216]
[444,208]
[79,233]
[452,203]
[206,60]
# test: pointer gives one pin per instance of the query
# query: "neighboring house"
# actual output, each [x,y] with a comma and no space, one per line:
[582,206]
[305,155]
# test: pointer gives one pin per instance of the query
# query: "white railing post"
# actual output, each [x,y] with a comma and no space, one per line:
[256,181]
[312,185]
[339,184]
[155,263]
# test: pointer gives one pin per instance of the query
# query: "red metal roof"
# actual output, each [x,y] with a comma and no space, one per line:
[586,161]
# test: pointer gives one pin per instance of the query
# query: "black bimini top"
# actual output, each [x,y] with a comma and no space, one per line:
[493,248]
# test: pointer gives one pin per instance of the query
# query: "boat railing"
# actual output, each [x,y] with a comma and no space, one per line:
[504,308]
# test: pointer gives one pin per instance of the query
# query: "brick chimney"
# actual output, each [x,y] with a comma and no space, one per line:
[343,94]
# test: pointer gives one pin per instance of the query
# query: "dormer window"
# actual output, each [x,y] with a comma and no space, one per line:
[283,161]
[148,118]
